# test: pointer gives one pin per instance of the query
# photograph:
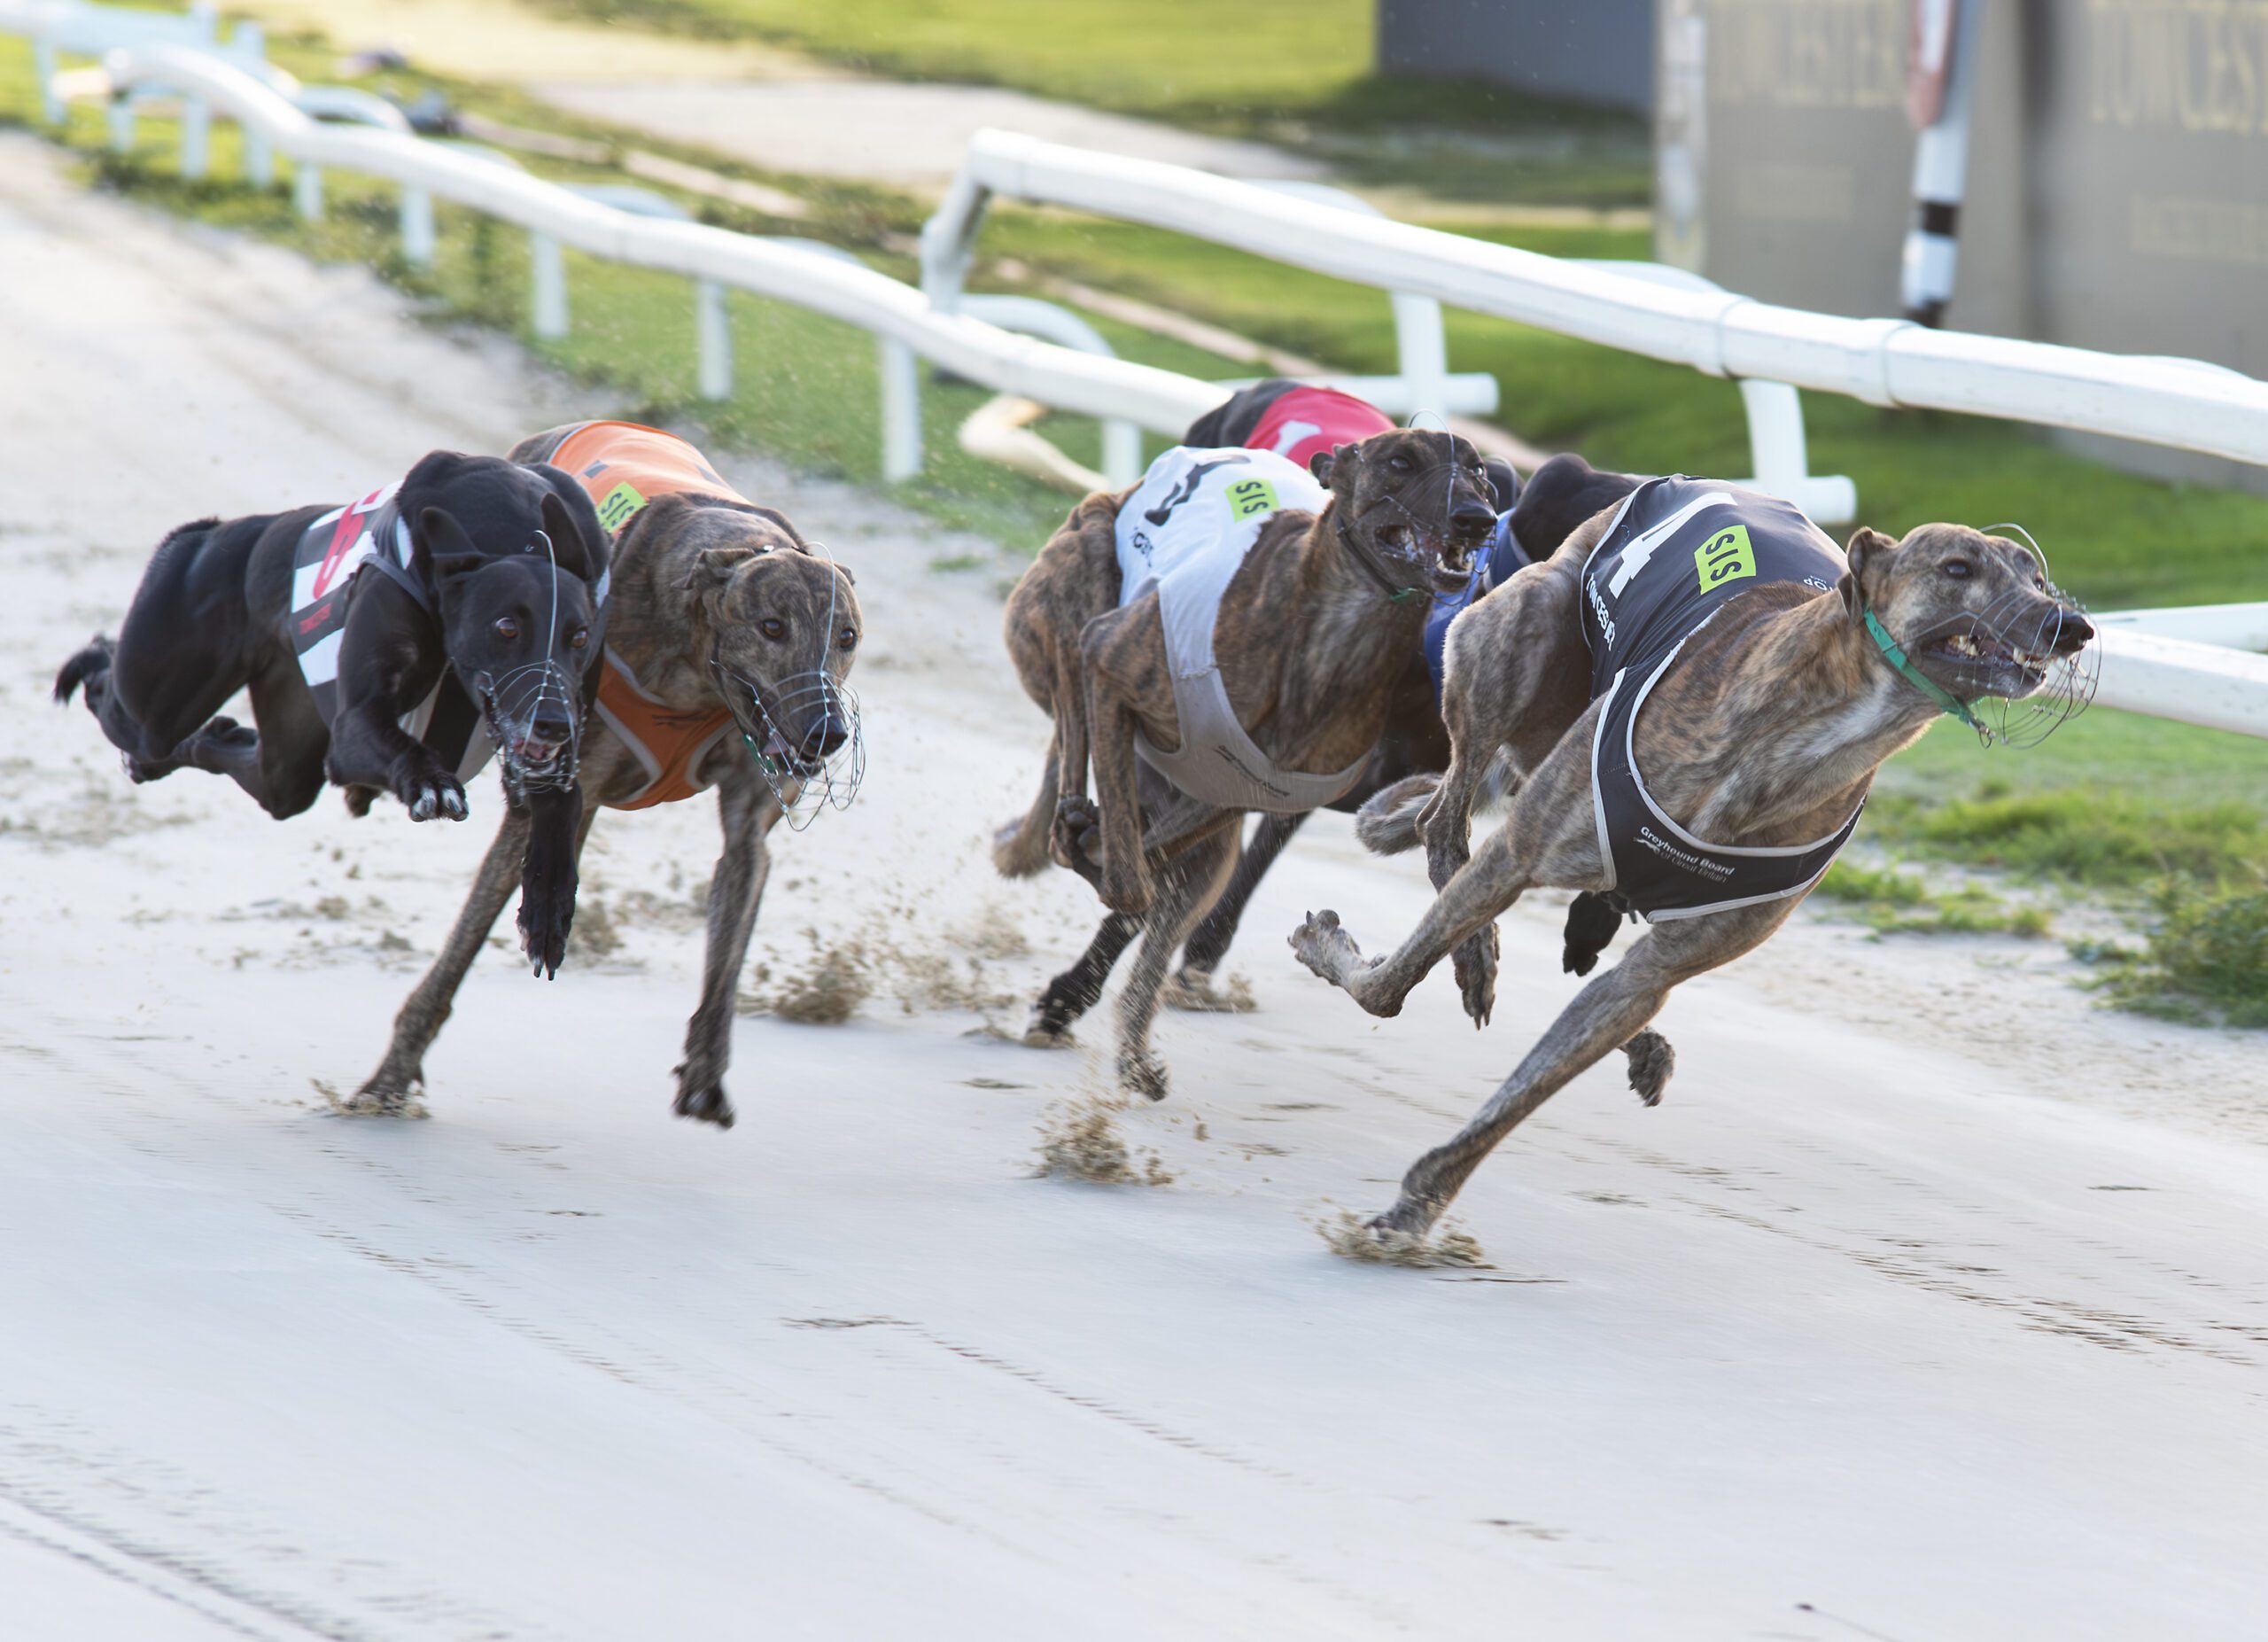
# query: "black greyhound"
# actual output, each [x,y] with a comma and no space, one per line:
[1565,492]
[389,645]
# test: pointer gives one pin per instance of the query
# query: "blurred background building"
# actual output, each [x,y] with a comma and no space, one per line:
[2116,188]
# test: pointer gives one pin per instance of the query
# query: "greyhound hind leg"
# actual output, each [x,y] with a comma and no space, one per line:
[1074,992]
[1192,985]
[1186,883]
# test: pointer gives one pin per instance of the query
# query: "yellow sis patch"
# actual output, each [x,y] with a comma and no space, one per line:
[1726,556]
[1251,496]
[617,506]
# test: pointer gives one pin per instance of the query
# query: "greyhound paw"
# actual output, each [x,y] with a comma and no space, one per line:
[383,1096]
[1074,839]
[1193,991]
[1050,1026]
[702,1100]
[427,790]
[140,770]
[227,736]
[1475,964]
[547,913]
[1142,1073]
[1324,947]
[1651,1061]
[1592,923]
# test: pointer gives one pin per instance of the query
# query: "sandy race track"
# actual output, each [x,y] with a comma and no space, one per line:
[1929,1305]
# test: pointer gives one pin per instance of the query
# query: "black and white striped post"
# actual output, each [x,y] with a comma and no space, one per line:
[1940,70]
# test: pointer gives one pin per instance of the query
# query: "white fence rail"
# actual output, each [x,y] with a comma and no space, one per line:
[2151,665]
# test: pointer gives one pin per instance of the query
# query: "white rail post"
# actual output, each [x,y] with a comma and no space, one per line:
[901,412]
[306,189]
[195,137]
[1421,340]
[549,268]
[50,105]
[417,236]
[714,328]
[249,40]
[1121,451]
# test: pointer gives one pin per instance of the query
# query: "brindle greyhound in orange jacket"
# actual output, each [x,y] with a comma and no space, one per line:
[1762,730]
[1319,620]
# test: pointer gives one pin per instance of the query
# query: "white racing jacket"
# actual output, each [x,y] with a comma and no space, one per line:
[1185,532]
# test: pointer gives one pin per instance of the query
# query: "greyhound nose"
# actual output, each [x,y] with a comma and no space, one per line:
[824,737]
[1470,518]
[551,724]
[2073,631]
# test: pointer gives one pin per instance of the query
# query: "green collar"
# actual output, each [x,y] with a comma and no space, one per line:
[1895,655]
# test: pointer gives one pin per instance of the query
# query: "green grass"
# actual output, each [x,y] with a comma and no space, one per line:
[1891,902]
[2204,962]
[1293,71]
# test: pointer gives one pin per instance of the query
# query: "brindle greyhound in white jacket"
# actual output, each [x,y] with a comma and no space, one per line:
[1758,736]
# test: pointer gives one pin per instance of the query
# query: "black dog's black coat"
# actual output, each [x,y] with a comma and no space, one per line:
[213,616]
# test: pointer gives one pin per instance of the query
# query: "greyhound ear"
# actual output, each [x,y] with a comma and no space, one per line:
[577,537]
[1323,462]
[714,567]
[1866,547]
[447,548]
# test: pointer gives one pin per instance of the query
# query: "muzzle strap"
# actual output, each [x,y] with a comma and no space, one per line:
[1895,654]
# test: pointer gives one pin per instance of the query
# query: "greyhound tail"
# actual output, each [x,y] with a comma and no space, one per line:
[1387,824]
[1020,848]
[93,659]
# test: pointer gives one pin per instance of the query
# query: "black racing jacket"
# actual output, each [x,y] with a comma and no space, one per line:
[1677,553]
[337,551]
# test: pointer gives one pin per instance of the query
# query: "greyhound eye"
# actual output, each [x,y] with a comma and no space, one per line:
[1399,464]
[507,629]
[581,638]
[850,638]
[1959,570]
[772,627]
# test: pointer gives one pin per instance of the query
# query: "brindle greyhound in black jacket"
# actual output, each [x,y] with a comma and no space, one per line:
[1758,735]
[386,644]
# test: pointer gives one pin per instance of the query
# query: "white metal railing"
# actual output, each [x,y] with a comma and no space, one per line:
[1884,362]
[2173,402]
[789,272]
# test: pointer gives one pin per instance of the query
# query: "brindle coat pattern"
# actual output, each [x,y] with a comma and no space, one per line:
[691,573]
[1310,641]
[1766,731]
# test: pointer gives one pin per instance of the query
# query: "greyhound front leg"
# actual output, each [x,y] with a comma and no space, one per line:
[403,1071]
[1490,882]
[369,748]
[548,881]
[1610,1012]
[734,894]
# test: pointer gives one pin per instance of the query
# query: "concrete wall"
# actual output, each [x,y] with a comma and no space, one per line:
[2118,183]
[1587,50]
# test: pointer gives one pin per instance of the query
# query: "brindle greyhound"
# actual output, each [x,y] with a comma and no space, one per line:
[1564,492]
[1766,729]
[723,620]
[1320,619]
[462,599]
